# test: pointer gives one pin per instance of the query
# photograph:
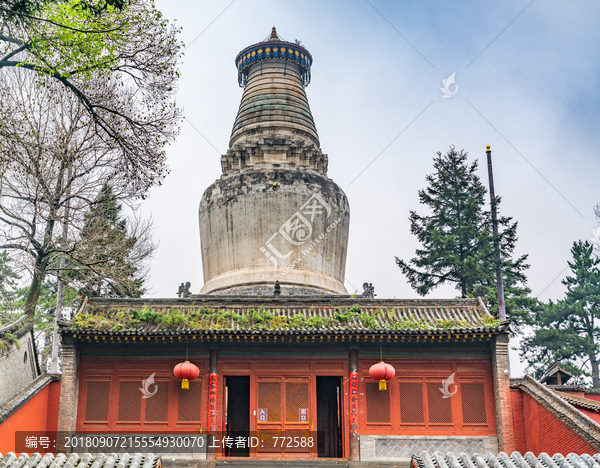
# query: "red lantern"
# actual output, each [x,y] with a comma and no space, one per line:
[186,371]
[382,372]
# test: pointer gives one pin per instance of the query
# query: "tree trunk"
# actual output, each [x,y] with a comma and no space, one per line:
[595,371]
[39,272]
[41,260]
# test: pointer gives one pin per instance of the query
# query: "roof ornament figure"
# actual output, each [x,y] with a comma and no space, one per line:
[184,290]
[277,288]
[369,291]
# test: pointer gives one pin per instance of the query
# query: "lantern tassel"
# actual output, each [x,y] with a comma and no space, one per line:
[185,384]
[382,385]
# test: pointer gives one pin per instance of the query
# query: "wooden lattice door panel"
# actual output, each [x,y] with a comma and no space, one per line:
[111,398]
[439,409]
[269,402]
[156,407]
[378,404]
[130,402]
[296,402]
[283,410]
[97,400]
[189,408]
[473,403]
[411,403]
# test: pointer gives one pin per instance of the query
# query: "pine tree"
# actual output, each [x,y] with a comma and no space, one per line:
[456,237]
[8,284]
[112,268]
[568,331]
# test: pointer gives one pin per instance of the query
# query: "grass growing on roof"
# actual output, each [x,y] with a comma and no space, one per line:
[260,319]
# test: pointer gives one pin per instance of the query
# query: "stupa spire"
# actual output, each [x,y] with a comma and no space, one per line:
[274,110]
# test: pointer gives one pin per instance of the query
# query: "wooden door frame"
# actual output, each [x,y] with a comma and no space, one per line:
[269,366]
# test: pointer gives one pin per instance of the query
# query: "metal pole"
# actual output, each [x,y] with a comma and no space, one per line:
[499,283]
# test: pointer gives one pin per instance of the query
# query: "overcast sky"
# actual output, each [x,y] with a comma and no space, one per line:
[528,77]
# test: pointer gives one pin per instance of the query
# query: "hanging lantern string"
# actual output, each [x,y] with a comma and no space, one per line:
[186,352]
[380,352]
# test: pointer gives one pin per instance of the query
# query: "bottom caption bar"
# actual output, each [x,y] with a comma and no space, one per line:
[233,443]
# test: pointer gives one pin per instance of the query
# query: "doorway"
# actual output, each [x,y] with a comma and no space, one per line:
[329,417]
[237,413]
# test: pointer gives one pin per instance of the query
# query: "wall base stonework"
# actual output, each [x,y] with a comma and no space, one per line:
[379,447]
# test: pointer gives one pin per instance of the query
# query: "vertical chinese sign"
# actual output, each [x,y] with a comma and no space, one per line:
[354,402]
[212,403]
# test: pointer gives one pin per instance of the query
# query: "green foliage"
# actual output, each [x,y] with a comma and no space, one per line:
[315,322]
[150,316]
[345,316]
[568,331]
[7,341]
[368,321]
[8,286]
[22,9]
[456,237]
[175,319]
[118,58]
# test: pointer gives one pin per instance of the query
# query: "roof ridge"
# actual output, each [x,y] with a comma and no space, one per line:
[579,422]
[585,402]
[34,387]
[11,326]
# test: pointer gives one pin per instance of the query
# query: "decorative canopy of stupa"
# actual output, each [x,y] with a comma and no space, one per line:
[274,48]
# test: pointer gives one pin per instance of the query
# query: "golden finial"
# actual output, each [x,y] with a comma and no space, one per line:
[274,34]
[487,148]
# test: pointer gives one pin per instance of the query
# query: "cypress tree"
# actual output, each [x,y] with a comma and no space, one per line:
[107,247]
[457,240]
[568,331]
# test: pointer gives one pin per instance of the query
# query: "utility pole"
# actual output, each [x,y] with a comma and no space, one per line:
[499,283]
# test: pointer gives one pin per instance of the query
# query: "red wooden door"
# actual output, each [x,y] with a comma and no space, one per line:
[283,417]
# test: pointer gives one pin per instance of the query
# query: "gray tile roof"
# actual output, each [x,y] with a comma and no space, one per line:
[285,315]
[26,394]
[502,460]
[562,409]
[84,460]
[582,402]
[14,326]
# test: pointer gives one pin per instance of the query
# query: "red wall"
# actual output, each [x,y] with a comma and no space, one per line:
[38,414]
[592,396]
[537,430]
[592,414]
[518,420]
